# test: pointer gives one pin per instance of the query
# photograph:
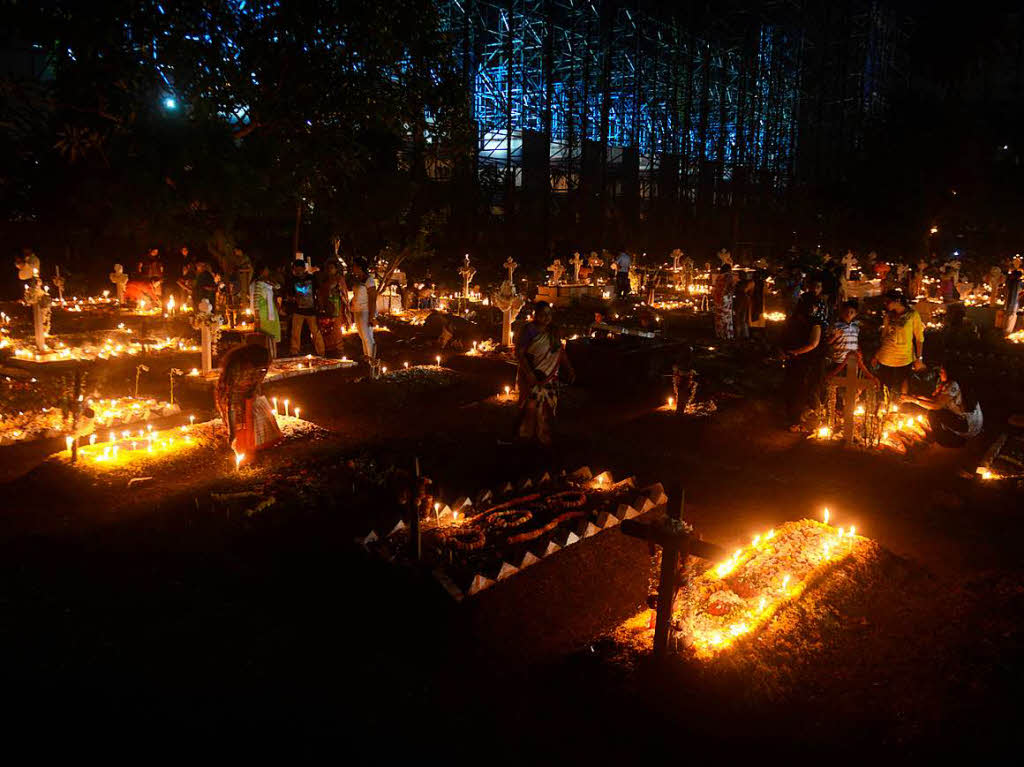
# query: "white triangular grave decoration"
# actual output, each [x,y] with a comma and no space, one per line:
[606,520]
[628,482]
[460,502]
[449,585]
[643,504]
[544,479]
[506,570]
[479,584]
[604,479]
[583,472]
[631,512]
[528,559]
[551,548]
[366,540]
[485,497]
[656,493]
[526,484]
[623,511]
[507,488]
[590,529]
[397,528]
[571,539]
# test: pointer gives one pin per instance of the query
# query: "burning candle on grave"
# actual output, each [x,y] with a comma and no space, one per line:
[405,364]
[92,439]
[274,400]
[191,420]
[239,457]
[286,407]
[296,412]
[69,441]
[508,392]
[825,515]
[671,402]
[438,358]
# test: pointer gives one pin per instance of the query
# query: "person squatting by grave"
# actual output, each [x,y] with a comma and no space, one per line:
[248,416]
[540,354]
[953,415]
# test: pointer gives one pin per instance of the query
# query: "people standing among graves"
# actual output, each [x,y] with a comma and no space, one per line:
[947,286]
[204,286]
[364,305]
[803,351]
[332,294]
[263,303]
[244,410]
[302,302]
[1012,303]
[902,348]
[623,262]
[743,306]
[844,334]
[722,301]
[150,266]
[540,354]
[954,417]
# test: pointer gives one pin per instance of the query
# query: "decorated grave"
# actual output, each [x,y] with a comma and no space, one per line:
[470,545]
[704,609]
[48,422]
[1004,459]
[280,369]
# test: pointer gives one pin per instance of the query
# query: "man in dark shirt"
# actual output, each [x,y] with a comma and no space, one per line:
[302,300]
[804,349]
[205,286]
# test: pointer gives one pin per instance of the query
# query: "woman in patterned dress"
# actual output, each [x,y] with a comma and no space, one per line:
[540,354]
[246,413]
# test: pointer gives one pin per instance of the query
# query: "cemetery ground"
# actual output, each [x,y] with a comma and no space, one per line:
[157,610]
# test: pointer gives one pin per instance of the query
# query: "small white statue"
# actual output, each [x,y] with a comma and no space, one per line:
[120,280]
[557,270]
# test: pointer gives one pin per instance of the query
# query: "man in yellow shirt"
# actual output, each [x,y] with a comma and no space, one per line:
[902,348]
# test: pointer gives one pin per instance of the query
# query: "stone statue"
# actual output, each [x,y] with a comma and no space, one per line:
[58,282]
[677,256]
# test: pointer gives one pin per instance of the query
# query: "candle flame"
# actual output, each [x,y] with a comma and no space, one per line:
[826,515]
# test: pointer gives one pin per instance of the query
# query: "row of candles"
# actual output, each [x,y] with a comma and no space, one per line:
[128,444]
[786,590]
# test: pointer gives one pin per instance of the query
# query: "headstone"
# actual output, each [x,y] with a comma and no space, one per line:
[851,384]
[509,302]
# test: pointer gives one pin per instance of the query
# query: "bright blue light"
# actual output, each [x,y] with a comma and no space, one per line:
[170,103]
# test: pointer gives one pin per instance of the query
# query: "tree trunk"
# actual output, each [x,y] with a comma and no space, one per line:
[298,226]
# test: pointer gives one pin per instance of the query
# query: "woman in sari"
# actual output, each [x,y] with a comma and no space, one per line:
[721,303]
[264,309]
[540,354]
[246,413]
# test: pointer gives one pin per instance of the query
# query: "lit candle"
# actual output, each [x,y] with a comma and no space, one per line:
[274,400]
[191,420]
[239,457]
[69,441]
[508,391]
[296,412]
[405,364]
[671,402]
[826,515]
[92,439]
[113,437]
[286,407]
[438,358]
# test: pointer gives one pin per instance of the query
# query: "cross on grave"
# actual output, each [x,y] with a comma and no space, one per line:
[576,262]
[849,263]
[677,543]
[556,270]
[677,256]
[120,280]
[511,265]
[467,273]
[58,282]
[852,385]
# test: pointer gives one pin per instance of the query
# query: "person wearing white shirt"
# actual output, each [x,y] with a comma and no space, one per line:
[364,305]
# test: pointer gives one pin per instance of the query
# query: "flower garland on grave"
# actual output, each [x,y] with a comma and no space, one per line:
[509,518]
[530,535]
[213,322]
[464,538]
[34,294]
[569,499]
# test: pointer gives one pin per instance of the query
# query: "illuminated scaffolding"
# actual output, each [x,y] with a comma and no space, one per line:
[603,95]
